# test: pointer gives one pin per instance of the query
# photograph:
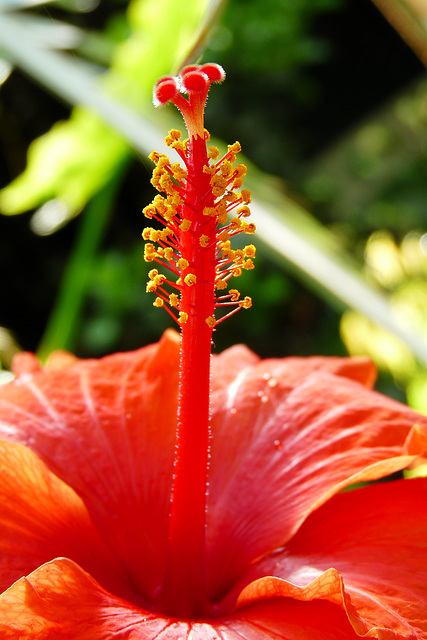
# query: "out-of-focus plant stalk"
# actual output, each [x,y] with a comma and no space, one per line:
[64,319]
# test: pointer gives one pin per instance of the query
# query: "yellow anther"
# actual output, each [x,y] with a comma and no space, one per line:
[222,212]
[173,300]
[219,185]
[168,253]
[209,170]
[165,233]
[173,136]
[207,134]
[183,317]
[228,253]
[204,240]
[235,295]
[237,272]
[162,161]
[246,196]
[153,273]
[155,156]
[146,233]
[236,223]
[159,280]
[149,211]
[178,146]
[237,183]
[240,170]
[149,252]
[248,265]
[249,227]
[190,279]
[221,284]
[151,286]
[226,168]
[246,303]
[182,264]
[250,251]
[166,184]
[185,225]
[158,302]
[209,211]
[160,203]
[221,205]
[213,153]
[235,147]
[175,200]
[179,173]
[223,236]
[160,173]
[243,212]
[169,214]
[210,321]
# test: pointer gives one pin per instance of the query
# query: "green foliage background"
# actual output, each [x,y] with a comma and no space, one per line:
[337,121]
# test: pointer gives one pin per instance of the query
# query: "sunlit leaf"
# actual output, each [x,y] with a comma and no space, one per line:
[304,243]
[7,5]
[47,32]
[76,158]
[409,18]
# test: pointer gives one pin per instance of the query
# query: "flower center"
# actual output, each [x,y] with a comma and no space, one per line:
[199,210]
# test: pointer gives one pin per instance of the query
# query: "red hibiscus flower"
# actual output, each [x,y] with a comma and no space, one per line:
[85,503]
[167,494]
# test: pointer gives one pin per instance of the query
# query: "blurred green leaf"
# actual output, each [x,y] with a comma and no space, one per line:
[312,249]
[64,319]
[409,18]
[418,472]
[87,153]
[75,159]
[71,163]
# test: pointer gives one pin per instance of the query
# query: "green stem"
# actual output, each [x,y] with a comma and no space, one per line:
[63,323]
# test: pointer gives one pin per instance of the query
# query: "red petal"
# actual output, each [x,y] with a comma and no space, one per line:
[107,428]
[61,601]
[376,540]
[25,362]
[42,518]
[294,370]
[286,438]
[286,619]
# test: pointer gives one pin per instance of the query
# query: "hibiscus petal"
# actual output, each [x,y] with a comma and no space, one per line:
[107,428]
[376,540]
[285,439]
[286,619]
[42,518]
[230,363]
[60,600]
